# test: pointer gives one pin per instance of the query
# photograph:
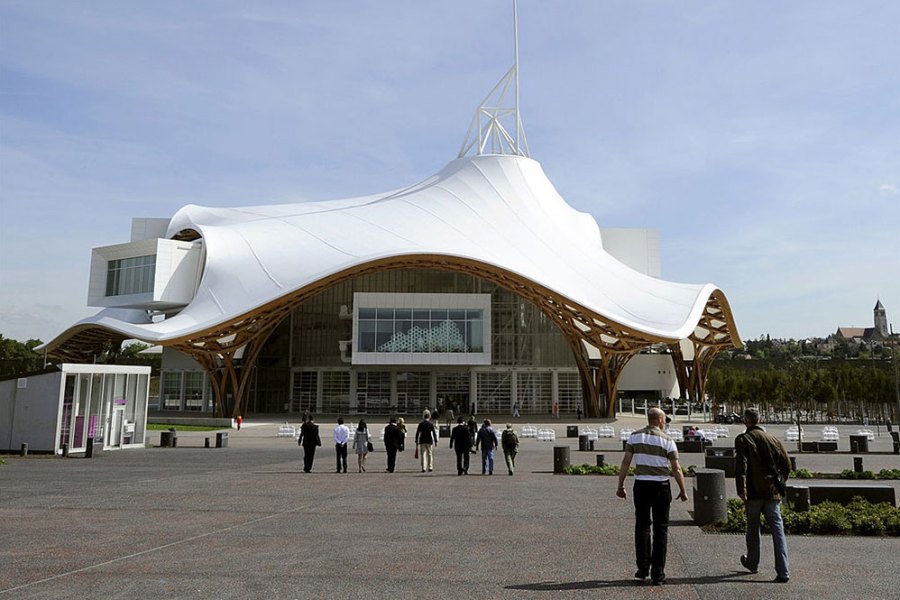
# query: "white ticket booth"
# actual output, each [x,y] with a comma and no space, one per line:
[74,403]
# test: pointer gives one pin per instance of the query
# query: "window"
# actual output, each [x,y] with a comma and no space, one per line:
[130,275]
[420,330]
[171,390]
[193,390]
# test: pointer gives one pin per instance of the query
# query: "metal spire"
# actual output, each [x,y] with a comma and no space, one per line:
[487,133]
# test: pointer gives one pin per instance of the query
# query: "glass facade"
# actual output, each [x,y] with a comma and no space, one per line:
[307,363]
[420,330]
[130,275]
[108,407]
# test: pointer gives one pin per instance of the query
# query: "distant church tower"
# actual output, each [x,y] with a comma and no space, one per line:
[881,326]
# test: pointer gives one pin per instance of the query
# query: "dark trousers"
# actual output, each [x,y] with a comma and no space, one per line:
[341,451]
[392,459]
[309,453]
[651,507]
[462,462]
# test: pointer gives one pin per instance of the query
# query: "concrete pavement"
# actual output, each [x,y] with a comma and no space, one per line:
[245,522]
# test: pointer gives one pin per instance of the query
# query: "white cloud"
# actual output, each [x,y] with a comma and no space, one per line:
[888,189]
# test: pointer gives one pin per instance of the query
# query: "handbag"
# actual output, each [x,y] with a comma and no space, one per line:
[370,447]
[417,452]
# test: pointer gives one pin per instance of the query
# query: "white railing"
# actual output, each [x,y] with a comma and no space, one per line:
[606,431]
[624,433]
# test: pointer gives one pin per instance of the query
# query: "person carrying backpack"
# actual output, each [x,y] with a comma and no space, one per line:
[510,443]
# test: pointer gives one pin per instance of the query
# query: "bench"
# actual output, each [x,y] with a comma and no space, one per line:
[844,494]
[818,447]
[690,447]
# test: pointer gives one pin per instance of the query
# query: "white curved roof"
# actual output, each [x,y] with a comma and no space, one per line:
[496,209]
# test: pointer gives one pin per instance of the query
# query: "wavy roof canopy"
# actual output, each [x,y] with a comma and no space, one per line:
[499,211]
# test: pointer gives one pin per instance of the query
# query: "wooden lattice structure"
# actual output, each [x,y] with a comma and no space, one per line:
[601,347]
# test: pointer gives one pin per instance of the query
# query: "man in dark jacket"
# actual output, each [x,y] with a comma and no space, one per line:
[762,467]
[309,439]
[462,443]
[393,441]
[487,441]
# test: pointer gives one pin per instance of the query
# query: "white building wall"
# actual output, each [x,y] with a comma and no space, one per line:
[30,414]
[637,248]
[645,372]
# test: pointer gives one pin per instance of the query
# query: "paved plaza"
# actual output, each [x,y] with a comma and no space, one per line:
[246,522]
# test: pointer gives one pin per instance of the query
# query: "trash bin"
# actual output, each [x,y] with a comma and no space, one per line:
[571,431]
[584,443]
[710,505]
[859,443]
[444,431]
[222,439]
[167,439]
[798,497]
[601,460]
[560,458]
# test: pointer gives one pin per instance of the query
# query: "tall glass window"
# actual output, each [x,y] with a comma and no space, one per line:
[171,390]
[130,275]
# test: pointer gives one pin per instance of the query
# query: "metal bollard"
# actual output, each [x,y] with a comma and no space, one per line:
[601,460]
[560,459]
[583,445]
[793,460]
[65,449]
[23,451]
[206,442]
[857,464]
[89,448]
[710,505]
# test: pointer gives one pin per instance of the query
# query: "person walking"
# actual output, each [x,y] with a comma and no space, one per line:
[762,467]
[509,441]
[654,453]
[309,439]
[426,439]
[393,442]
[473,432]
[341,437]
[515,410]
[487,441]
[462,443]
[362,444]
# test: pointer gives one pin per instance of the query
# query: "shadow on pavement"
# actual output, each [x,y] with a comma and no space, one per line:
[556,586]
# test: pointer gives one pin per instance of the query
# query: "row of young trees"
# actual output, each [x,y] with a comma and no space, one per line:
[830,391]
[20,358]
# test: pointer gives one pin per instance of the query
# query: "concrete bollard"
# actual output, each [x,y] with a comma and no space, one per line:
[857,464]
[560,459]
[710,505]
[23,451]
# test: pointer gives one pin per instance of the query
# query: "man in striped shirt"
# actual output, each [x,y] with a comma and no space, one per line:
[653,452]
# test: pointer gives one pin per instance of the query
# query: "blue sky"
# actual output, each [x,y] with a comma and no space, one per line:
[761,139]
